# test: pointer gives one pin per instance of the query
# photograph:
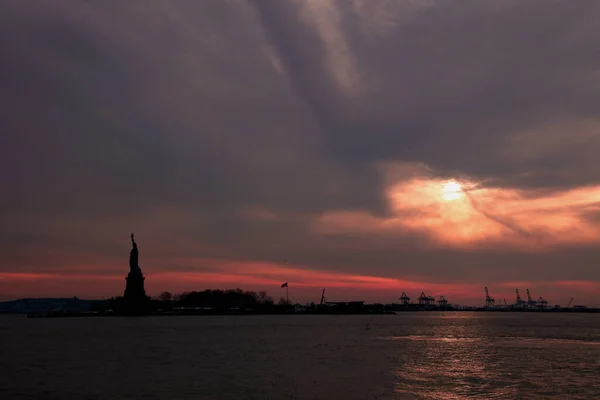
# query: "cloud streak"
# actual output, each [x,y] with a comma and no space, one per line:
[500,221]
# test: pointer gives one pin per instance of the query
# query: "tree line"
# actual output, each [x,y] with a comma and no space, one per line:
[219,299]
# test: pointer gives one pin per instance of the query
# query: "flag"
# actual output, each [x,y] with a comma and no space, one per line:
[284,285]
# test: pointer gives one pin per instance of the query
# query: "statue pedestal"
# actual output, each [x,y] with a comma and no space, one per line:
[135,301]
[134,290]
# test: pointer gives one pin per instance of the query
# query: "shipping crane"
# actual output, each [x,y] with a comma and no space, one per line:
[442,301]
[489,302]
[425,299]
[530,301]
[519,302]
[570,301]
[404,299]
[323,297]
[542,303]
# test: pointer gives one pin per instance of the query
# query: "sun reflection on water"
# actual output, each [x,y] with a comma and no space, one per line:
[449,368]
[453,364]
[458,363]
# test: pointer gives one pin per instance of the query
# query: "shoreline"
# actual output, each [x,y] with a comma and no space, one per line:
[199,313]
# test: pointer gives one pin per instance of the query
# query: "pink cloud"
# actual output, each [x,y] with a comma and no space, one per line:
[305,285]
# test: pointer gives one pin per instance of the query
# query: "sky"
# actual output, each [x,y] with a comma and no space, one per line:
[369,147]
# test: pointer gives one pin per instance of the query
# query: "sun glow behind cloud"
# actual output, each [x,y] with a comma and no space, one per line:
[452,191]
[466,214]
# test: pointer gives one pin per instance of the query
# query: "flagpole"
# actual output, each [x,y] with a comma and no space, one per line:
[287,289]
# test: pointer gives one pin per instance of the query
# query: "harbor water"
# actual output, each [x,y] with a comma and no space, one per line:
[420,355]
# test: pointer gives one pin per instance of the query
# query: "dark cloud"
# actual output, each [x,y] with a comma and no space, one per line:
[173,118]
[451,83]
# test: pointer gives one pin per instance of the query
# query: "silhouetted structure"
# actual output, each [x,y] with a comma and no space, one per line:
[426,300]
[519,303]
[135,294]
[489,301]
[405,299]
[531,303]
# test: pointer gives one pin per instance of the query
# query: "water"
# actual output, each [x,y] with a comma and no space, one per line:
[405,356]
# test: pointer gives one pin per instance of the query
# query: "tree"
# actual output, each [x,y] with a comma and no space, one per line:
[263,298]
[282,302]
[165,296]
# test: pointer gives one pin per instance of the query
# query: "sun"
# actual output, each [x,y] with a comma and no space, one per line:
[452,190]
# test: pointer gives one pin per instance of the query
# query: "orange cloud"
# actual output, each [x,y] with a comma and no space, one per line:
[464,214]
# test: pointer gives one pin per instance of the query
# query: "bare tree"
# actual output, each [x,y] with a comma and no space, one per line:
[165,296]
[282,302]
[263,298]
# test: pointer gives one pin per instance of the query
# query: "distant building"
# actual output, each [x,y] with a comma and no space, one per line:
[24,306]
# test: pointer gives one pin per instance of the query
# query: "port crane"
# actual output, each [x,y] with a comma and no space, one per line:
[442,301]
[542,303]
[489,302]
[519,302]
[570,301]
[404,299]
[426,299]
[530,301]
[323,297]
